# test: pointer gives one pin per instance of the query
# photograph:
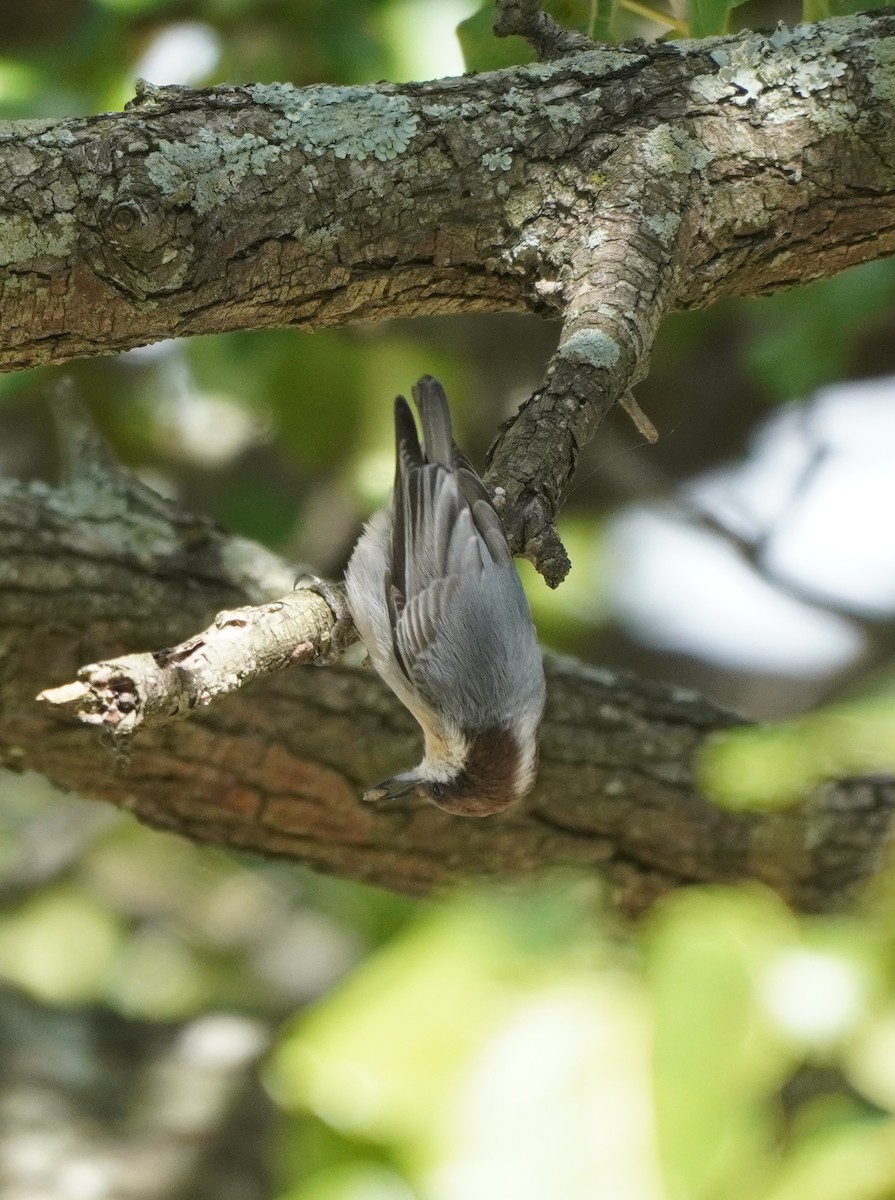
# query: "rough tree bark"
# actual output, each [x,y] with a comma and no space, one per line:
[608,186]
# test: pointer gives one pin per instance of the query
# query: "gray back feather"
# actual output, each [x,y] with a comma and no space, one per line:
[462,624]
[436,590]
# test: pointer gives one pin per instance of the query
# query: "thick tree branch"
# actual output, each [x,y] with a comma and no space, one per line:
[278,768]
[607,187]
[613,305]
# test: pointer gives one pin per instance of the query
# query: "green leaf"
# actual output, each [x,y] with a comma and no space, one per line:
[839,8]
[810,336]
[717,1057]
[815,10]
[59,946]
[772,766]
[709,17]
[851,1162]
[602,22]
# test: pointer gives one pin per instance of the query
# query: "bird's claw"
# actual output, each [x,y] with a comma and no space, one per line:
[334,595]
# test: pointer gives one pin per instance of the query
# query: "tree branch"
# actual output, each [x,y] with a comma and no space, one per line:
[547,37]
[141,691]
[279,769]
[607,187]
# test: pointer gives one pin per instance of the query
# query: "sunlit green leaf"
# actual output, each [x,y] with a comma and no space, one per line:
[815,10]
[353,1181]
[717,1057]
[18,83]
[159,977]
[484,1043]
[565,616]
[59,946]
[852,1161]
[775,765]
[378,1057]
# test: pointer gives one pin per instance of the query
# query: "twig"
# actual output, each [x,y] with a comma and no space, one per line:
[135,691]
[644,425]
[524,18]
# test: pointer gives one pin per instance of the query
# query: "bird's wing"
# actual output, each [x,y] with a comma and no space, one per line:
[445,528]
[442,548]
[408,461]
[439,447]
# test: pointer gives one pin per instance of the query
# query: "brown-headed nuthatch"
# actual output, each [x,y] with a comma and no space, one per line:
[435,596]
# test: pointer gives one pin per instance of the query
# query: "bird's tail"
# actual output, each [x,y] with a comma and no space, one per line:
[438,438]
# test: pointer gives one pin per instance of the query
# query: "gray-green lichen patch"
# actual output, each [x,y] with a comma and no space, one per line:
[564,114]
[209,166]
[323,237]
[560,113]
[518,100]
[22,238]
[19,161]
[527,250]
[591,348]
[664,225]
[112,518]
[498,160]
[597,62]
[800,60]
[882,79]
[60,136]
[441,108]
[29,127]
[672,151]
[350,122]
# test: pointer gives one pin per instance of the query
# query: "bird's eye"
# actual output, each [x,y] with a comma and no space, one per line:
[437,790]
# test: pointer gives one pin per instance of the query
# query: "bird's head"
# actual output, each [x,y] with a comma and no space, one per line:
[493,771]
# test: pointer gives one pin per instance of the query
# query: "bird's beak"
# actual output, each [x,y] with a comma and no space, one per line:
[391,789]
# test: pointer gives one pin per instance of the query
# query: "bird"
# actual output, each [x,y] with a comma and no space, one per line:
[438,603]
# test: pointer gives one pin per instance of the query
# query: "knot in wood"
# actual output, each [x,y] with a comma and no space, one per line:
[875,120]
[124,217]
[140,246]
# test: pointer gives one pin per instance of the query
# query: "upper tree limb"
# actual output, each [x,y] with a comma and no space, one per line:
[607,188]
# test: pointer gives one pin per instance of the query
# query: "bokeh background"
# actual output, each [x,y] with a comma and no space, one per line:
[177,1022]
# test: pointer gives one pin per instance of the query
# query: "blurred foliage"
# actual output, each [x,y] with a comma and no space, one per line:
[706,18]
[191,929]
[723,1050]
[518,1041]
[805,338]
[513,1043]
[770,766]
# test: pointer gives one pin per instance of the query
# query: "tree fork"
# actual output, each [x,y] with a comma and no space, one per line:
[725,166]
[607,188]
